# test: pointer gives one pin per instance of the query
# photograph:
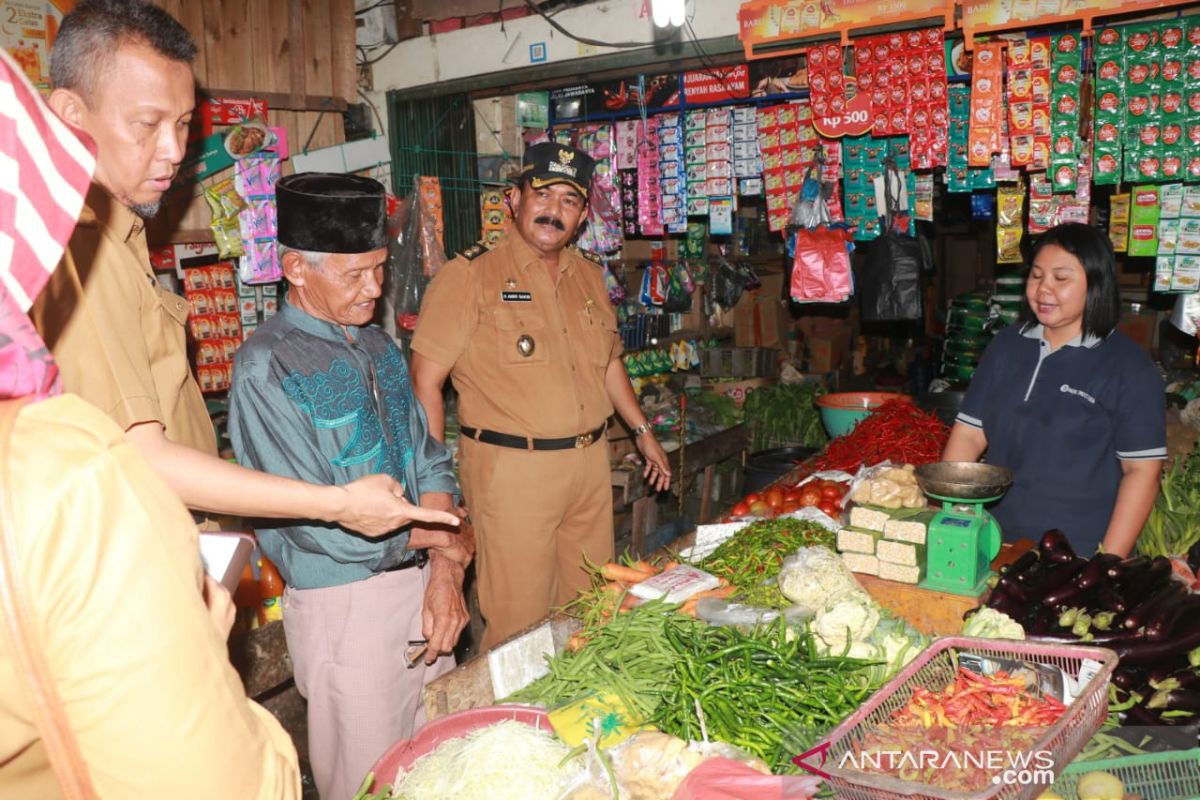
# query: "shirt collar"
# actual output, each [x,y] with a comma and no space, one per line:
[105,211]
[302,320]
[1037,331]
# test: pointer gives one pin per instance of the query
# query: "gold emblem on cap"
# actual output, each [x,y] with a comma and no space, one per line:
[566,156]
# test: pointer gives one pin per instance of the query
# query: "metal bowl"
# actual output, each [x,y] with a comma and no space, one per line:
[963,480]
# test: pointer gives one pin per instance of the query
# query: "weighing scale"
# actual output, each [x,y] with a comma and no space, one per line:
[962,538]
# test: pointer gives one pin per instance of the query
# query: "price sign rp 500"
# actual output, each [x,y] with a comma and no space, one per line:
[853,120]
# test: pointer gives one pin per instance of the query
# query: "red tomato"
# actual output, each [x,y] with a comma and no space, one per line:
[742,509]
[791,496]
[773,497]
[759,509]
[811,496]
[752,497]
[831,508]
[789,506]
[831,491]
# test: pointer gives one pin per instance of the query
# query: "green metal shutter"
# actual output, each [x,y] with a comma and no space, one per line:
[435,136]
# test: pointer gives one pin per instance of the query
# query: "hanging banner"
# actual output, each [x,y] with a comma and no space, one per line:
[630,94]
[979,16]
[717,84]
[767,22]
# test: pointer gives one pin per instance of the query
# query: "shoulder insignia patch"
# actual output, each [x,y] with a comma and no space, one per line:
[474,251]
[590,256]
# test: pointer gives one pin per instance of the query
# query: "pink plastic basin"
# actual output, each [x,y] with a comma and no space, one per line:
[404,752]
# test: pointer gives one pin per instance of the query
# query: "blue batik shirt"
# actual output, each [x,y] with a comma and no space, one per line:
[325,404]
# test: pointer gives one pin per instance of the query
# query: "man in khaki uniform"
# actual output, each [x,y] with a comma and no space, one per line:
[529,337]
[122,73]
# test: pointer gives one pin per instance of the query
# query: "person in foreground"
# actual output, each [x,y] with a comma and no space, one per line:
[122,72]
[321,395]
[115,682]
[529,337]
[1070,404]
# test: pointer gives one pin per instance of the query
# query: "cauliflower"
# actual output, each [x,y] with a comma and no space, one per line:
[988,623]
[814,576]
[846,619]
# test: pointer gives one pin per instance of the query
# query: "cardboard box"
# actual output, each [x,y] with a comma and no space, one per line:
[1141,325]
[825,343]
[643,249]
[759,319]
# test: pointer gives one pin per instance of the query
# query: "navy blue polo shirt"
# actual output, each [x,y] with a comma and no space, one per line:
[1063,421]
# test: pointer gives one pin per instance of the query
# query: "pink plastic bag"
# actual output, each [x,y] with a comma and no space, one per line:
[726,779]
[821,267]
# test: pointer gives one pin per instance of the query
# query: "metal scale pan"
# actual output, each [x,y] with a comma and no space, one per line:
[964,480]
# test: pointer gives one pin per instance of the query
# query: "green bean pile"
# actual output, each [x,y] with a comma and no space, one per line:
[751,560]
[766,692]
[629,657]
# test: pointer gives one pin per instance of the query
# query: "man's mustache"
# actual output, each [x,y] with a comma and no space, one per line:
[545,220]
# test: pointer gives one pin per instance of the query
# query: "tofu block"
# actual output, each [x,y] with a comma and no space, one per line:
[903,553]
[854,540]
[868,518]
[900,573]
[910,526]
[859,562]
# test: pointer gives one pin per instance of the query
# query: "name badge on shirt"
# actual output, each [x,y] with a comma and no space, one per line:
[517,297]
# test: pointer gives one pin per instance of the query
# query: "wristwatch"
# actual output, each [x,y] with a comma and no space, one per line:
[640,429]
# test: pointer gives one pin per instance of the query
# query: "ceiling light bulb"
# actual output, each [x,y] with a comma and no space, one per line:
[667,12]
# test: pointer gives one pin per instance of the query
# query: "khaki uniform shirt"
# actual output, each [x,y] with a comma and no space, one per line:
[109,562]
[476,312]
[118,337]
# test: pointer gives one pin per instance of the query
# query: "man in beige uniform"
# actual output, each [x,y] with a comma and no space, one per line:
[529,337]
[122,74]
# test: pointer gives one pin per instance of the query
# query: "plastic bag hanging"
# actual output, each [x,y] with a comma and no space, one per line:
[820,268]
[890,282]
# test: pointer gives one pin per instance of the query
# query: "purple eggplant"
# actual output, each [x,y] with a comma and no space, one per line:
[1137,585]
[1140,715]
[1122,569]
[1059,584]
[1171,615]
[1153,605]
[1109,599]
[1128,678]
[1027,561]
[1143,651]
[1096,571]
[1175,700]
[1179,679]
[1056,547]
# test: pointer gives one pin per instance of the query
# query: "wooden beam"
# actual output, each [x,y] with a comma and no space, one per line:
[441,9]
[229,42]
[287,102]
[343,54]
[296,54]
[270,59]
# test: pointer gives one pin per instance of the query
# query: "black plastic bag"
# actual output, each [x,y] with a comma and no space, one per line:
[890,279]
[728,285]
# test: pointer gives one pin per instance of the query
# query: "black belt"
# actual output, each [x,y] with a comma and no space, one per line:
[526,443]
[422,558]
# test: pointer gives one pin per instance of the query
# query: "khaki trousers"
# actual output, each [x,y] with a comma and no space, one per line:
[347,646]
[537,515]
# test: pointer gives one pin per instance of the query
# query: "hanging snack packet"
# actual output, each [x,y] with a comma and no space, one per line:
[1118,222]
[1010,205]
[1143,222]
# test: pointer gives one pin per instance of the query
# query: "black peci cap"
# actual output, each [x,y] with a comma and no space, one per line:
[549,163]
[325,212]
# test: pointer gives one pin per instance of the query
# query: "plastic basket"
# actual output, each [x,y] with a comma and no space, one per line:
[1153,776]
[935,669]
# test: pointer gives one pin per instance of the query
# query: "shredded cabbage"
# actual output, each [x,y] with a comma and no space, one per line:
[506,761]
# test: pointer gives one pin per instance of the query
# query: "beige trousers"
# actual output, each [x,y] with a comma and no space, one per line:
[537,516]
[347,646]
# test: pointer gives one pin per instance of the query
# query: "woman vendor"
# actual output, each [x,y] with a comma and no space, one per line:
[1070,404]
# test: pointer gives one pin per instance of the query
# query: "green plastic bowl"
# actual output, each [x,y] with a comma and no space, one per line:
[840,412]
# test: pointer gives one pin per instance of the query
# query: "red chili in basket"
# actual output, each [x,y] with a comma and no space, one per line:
[897,431]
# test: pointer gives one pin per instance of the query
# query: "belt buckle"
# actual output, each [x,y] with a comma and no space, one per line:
[584,440]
